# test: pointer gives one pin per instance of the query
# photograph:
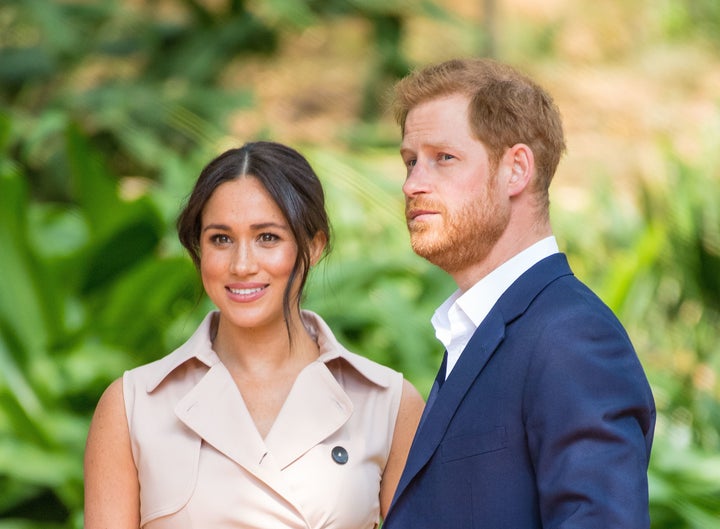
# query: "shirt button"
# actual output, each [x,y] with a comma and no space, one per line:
[339,455]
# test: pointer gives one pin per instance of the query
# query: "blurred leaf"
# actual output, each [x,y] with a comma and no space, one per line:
[624,271]
[36,466]
[95,187]
[125,247]
[684,486]
[20,300]
[158,285]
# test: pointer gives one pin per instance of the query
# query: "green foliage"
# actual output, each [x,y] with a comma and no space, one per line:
[61,307]
[685,492]
[692,17]
[109,109]
[659,269]
[140,82]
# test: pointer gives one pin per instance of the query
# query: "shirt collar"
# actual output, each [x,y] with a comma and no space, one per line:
[477,301]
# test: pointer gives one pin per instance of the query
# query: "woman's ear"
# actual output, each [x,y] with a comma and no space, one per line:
[522,167]
[317,246]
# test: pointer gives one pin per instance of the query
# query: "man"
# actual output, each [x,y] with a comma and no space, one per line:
[541,416]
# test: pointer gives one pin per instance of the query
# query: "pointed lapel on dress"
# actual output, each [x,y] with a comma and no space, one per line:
[215,411]
[316,407]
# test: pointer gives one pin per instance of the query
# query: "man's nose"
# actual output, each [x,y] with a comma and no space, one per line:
[417,181]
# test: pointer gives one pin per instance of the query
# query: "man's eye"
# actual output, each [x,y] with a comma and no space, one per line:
[445,157]
[410,163]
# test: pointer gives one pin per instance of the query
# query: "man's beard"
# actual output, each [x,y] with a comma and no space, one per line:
[465,237]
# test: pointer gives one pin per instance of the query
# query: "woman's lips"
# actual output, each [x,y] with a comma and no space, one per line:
[245,293]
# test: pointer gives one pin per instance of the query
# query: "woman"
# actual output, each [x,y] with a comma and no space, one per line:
[261,419]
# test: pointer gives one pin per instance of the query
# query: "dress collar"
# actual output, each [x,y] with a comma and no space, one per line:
[199,347]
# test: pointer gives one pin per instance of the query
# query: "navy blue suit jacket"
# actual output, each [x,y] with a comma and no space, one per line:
[546,421]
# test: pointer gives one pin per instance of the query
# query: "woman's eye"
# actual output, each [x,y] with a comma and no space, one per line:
[220,239]
[268,237]
[410,163]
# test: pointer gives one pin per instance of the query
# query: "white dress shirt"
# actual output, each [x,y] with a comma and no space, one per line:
[461,314]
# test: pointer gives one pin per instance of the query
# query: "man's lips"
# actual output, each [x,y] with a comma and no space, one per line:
[417,213]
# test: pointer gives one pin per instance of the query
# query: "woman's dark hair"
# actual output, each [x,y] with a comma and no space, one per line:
[291,182]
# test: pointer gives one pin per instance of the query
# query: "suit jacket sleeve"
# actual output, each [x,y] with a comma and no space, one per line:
[589,420]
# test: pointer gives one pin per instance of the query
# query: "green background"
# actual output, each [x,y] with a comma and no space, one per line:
[109,109]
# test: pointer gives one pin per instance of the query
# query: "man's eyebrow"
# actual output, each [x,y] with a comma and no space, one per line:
[436,145]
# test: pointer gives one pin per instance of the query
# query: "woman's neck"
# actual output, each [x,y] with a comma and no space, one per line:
[263,352]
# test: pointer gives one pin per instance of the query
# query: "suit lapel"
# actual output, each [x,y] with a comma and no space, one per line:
[484,342]
[439,381]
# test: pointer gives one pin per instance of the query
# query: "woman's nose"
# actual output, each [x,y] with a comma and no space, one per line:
[244,259]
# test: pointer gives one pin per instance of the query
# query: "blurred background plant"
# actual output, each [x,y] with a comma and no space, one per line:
[109,110]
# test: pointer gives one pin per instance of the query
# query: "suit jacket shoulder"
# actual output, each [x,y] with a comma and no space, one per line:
[545,421]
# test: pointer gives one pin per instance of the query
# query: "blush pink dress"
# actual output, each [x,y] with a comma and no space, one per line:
[203,465]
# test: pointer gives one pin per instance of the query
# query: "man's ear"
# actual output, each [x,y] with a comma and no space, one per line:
[317,246]
[521,162]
